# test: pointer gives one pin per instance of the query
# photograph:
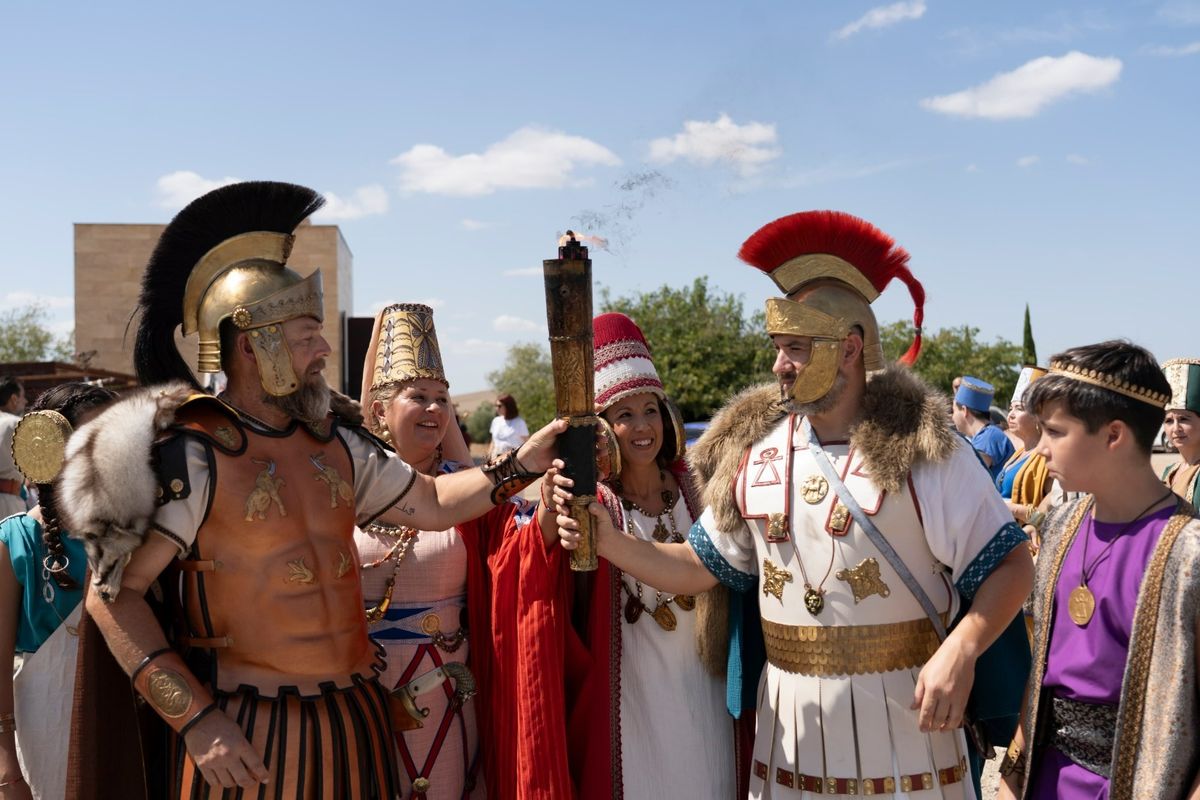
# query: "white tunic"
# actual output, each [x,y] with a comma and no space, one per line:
[676,737]
[950,527]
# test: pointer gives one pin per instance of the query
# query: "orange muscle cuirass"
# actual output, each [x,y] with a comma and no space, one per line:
[271,585]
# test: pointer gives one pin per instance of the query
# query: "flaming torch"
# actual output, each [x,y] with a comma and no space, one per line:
[569,318]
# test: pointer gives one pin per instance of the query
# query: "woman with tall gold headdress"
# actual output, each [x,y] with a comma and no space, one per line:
[415,582]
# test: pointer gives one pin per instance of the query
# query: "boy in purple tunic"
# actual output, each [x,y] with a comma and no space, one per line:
[1112,700]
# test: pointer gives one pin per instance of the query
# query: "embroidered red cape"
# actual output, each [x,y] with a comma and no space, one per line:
[546,653]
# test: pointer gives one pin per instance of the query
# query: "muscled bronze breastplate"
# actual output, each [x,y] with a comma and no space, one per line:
[272,583]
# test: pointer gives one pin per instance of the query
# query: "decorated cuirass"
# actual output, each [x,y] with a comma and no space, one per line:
[271,584]
[806,540]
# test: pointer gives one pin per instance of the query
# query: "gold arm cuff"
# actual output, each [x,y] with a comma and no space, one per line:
[172,690]
[825,651]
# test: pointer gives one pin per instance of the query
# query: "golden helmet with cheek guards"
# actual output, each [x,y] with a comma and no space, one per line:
[222,258]
[832,266]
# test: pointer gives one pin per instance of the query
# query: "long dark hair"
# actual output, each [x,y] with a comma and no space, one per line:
[72,400]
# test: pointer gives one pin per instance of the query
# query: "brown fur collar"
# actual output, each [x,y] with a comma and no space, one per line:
[903,422]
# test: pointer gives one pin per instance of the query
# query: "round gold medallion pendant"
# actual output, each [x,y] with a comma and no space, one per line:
[1081,605]
[814,601]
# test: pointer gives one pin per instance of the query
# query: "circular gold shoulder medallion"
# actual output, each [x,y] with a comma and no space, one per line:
[39,445]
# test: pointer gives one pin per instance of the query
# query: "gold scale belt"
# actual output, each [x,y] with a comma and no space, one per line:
[824,651]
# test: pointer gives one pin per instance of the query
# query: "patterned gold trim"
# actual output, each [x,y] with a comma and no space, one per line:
[1042,635]
[1091,376]
[1132,709]
[825,651]
[791,275]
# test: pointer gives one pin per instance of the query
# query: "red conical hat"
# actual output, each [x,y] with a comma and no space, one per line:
[832,245]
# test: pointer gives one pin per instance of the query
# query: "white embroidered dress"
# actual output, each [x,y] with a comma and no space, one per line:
[949,526]
[676,737]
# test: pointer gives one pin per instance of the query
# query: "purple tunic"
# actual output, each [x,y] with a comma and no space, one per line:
[1088,663]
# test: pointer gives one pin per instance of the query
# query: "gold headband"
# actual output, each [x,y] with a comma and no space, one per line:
[1139,393]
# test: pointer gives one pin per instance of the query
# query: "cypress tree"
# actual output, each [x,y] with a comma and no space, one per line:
[1030,349]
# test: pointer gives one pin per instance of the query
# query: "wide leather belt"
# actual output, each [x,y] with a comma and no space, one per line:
[10,486]
[1084,733]
[825,651]
[818,784]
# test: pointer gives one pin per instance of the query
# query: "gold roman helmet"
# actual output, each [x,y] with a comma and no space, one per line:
[831,266]
[222,258]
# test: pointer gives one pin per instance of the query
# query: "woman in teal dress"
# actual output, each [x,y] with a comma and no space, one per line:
[41,584]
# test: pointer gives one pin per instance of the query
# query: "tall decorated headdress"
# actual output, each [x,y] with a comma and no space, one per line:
[404,347]
[1024,380]
[624,368]
[224,257]
[839,264]
[1184,376]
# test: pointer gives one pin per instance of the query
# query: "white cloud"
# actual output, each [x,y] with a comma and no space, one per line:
[746,148]
[475,225]
[1027,161]
[510,324]
[1029,88]
[523,272]
[23,299]
[1169,51]
[529,158]
[1180,12]
[883,17]
[972,168]
[1076,159]
[367,200]
[177,189]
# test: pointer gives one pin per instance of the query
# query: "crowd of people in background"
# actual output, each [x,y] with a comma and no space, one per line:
[833,593]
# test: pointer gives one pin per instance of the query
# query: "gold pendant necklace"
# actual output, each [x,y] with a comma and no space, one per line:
[399,550]
[634,606]
[1081,603]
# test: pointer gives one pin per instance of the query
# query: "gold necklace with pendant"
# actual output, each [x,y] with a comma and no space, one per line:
[1081,603]
[634,606]
[399,550]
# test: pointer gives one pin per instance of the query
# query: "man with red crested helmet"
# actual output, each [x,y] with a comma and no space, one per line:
[843,500]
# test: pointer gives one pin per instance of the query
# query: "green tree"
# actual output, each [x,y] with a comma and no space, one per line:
[479,423]
[1029,350]
[704,346]
[951,352]
[25,336]
[529,378]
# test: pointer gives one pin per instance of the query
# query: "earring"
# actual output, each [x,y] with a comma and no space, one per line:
[385,434]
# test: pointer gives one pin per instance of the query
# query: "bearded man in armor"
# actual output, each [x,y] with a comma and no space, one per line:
[242,507]
[860,694]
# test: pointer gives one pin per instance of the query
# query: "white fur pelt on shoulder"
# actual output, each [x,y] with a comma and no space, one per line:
[107,488]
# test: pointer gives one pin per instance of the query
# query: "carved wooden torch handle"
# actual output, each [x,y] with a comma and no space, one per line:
[569,318]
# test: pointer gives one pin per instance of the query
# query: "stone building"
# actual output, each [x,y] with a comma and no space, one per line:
[109,260]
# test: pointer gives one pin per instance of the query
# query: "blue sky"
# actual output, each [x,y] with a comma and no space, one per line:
[1022,151]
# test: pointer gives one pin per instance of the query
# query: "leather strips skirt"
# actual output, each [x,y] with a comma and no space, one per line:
[336,745]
